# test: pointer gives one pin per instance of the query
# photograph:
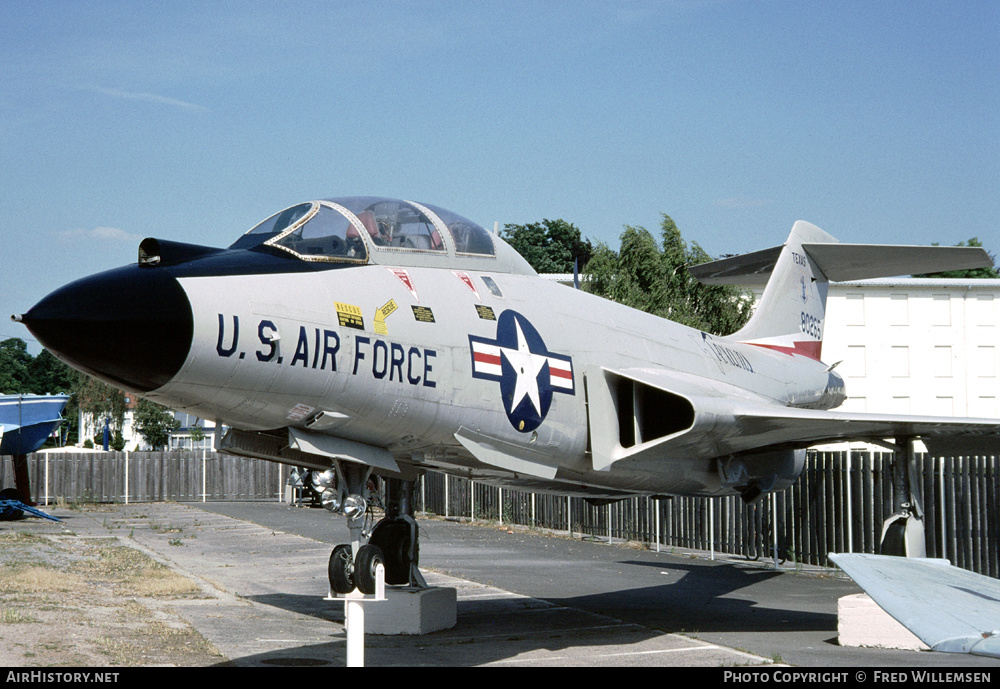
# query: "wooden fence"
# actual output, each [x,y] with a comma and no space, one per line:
[184,476]
[837,505]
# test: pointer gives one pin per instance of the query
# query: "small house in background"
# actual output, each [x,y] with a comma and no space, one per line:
[193,433]
[92,428]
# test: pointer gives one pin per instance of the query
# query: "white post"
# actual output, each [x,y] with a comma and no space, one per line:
[46,479]
[944,521]
[656,504]
[850,514]
[500,497]
[472,498]
[609,523]
[774,528]
[446,496]
[126,477]
[711,527]
[354,618]
[354,622]
[569,516]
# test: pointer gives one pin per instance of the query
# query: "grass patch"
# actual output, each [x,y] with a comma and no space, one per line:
[150,643]
[38,579]
[134,573]
[16,538]
[11,616]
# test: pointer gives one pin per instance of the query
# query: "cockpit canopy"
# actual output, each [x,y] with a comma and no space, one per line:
[356,229]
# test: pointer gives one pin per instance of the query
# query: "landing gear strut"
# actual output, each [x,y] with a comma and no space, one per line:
[903,531]
[393,541]
[397,536]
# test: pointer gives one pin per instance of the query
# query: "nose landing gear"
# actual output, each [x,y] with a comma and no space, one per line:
[393,541]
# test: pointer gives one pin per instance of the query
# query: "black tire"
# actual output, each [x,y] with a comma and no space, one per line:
[10,513]
[369,557]
[341,569]
[393,537]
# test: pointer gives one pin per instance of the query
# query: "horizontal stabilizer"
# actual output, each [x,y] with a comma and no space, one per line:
[842,262]
[746,269]
[949,609]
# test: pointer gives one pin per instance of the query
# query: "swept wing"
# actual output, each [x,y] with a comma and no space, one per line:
[948,608]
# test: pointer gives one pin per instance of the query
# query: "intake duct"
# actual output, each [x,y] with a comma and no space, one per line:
[646,413]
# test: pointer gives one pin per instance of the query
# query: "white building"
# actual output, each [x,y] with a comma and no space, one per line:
[916,346]
[186,437]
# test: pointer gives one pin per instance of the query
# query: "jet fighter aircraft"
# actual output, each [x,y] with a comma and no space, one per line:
[367,335]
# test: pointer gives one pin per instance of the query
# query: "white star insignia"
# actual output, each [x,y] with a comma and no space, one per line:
[527,366]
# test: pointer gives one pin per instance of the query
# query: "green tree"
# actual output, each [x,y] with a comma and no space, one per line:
[973,273]
[48,375]
[14,363]
[654,278]
[550,246]
[197,435]
[154,422]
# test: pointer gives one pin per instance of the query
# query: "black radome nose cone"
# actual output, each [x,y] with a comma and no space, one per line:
[130,326]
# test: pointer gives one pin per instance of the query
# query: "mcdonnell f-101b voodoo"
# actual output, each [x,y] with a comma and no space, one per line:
[365,335]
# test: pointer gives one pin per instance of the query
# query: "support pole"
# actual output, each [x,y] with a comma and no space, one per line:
[903,532]
[774,528]
[711,527]
[22,482]
[354,618]
[354,622]
[657,504]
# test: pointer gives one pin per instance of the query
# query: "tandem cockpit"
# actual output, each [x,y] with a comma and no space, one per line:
[366,229]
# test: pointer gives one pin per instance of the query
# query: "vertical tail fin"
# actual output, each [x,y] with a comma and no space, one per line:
[792,310]
[791,313]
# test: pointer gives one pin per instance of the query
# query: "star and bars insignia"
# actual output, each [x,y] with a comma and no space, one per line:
[527,371]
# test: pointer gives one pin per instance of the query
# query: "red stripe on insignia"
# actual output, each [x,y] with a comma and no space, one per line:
[560,373]
[483,358]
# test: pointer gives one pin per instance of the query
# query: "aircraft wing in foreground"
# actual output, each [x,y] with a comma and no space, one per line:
[368,337]
[948,608]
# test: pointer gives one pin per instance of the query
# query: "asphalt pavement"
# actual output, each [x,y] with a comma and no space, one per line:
[524,598]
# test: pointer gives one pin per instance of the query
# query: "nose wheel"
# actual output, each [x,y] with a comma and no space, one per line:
[348,573]
[393,544]
[341,569]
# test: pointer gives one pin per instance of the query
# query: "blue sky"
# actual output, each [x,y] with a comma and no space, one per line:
[191,121]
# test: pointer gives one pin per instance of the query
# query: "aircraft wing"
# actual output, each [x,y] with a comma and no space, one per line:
[724,420]
[948,608]
[774,425]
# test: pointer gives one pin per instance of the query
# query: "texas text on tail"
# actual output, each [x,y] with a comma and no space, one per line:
[369,335]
